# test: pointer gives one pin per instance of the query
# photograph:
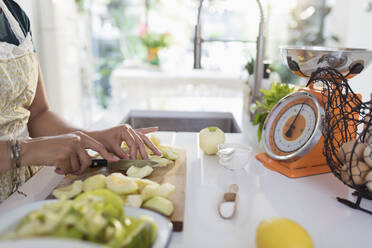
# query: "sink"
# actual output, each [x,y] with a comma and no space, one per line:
[182,121]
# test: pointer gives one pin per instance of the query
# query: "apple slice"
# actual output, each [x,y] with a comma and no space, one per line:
[160,205]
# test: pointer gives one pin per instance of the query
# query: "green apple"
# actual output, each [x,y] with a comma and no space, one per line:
[209,138]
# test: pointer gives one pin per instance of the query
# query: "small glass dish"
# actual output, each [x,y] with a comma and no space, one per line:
[234,156]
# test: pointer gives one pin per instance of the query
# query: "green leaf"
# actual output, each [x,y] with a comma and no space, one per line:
[269,99]
[265,91]
[256,119]
[259,132]
[260,105]
[263,117]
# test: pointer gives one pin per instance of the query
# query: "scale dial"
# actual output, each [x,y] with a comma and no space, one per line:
[293,127]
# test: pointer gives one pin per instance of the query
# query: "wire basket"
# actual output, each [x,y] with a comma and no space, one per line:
[347,131]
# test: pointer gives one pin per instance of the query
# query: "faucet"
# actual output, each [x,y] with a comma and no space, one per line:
[198,39]
[260,42]
[260,50]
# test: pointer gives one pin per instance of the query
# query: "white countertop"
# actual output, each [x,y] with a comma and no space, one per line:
[311,201]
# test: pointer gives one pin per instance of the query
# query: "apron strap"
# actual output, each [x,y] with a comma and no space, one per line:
[14,25]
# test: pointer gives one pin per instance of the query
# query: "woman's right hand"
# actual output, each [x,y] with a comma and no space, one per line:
[65,152]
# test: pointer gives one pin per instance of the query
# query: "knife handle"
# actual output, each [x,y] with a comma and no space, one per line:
[98,163]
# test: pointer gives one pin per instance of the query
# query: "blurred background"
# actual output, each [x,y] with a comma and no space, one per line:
[101,57]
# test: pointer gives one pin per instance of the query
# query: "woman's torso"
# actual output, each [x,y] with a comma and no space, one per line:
[18,83]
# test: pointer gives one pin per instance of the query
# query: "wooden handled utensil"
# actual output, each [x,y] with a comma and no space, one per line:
[231,196]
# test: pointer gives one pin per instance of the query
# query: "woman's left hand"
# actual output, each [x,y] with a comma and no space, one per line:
[136,140]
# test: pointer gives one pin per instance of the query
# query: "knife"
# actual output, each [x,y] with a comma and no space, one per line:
[122,164]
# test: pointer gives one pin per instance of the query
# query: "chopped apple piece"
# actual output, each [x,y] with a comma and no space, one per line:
[160,204]
[148,151]
[155,140]
[142,183]
[134,201]
[121,184]
[149,191]
[138,172]
[94,182]
[162,162]
[168,152]
[165,190]
[70,191]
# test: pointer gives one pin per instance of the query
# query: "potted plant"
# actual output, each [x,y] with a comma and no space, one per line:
[154,41]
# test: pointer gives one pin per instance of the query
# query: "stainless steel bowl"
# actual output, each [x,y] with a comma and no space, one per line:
[305,60]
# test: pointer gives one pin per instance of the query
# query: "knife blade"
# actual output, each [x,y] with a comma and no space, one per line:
[122,164]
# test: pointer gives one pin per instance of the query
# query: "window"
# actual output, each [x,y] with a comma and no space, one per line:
[229,28]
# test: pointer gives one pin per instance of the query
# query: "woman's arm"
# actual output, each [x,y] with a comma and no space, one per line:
[43,121]
[65,152]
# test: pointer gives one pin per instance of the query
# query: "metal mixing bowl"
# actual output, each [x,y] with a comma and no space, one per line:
[306,59]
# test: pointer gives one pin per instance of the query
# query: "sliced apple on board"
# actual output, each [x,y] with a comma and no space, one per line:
[69,191]
[168,152]
[162,162]
[94,182]
[142,183]
[138,172]
[149,191]
[164,190]
[121,184]
[134,200]
[160,204]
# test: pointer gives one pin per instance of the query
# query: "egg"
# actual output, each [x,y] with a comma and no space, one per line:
[367,155]
[368,178]
[359,171]
[345,174]
[369,186]
[345,153]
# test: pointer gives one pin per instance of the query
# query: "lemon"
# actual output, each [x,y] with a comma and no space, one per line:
[282,233]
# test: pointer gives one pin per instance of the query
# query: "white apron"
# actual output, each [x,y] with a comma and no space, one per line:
[18,83]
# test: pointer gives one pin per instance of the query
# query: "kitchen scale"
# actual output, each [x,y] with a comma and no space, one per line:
[292,133]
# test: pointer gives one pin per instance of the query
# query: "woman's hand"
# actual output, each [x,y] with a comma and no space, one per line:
[66,152]
[135,139]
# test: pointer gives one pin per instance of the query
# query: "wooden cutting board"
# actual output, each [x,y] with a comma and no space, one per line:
[174,174]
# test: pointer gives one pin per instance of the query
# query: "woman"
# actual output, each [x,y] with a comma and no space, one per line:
[30,134]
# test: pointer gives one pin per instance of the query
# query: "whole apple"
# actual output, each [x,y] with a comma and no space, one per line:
[209,138]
